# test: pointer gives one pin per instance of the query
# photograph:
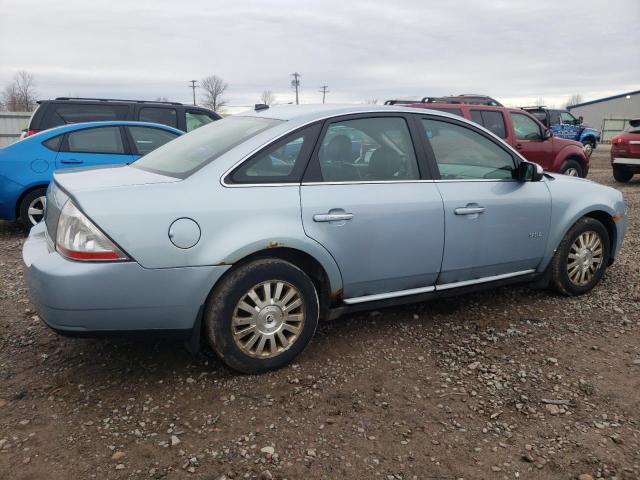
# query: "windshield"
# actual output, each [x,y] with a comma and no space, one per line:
[186,154]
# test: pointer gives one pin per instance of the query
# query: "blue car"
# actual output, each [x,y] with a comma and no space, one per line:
[26,167]
[247,231]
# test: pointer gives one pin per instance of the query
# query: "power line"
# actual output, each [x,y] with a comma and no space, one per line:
[295,83]
[324,91]
[193,87]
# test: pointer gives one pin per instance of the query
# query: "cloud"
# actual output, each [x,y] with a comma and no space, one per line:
[513,50]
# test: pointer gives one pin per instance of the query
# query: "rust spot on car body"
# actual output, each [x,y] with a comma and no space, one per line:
[274,245]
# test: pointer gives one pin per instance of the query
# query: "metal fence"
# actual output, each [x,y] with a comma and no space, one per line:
[11,126]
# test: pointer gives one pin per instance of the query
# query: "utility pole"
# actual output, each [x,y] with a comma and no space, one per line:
[193,87]
[324,91]
[295,83]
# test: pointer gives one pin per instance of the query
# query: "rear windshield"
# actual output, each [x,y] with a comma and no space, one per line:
[186,154]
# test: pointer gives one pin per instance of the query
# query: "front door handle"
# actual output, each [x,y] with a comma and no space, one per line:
[332,217]
[469,210]
[71,160]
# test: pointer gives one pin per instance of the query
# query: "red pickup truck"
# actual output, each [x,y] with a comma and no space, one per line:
[522,131]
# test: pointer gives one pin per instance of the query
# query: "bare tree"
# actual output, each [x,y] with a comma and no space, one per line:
[371,101]
[267,97]
[574,99]
[214,88]
[540,102]
[20,95]
[162,99]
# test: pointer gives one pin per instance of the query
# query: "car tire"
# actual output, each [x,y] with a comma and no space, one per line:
[622,174]
[581,258]
[253,327]
[32,207]
[572,168]
[588,147]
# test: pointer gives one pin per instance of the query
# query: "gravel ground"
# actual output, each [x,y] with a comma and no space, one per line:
[510,383]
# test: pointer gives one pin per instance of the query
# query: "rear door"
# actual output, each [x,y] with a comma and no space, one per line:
[569,127]
[529,140]
[371,209]
[93,146]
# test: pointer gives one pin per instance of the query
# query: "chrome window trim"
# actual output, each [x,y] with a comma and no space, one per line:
[444,286]
[363,182]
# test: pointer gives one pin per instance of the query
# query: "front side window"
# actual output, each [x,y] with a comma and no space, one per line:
[566,117]
[463,154]
[283,162]
[369,149]
[554,117]
[188,153]
[95,140]
[525,127]
[164,116]
[492,120]
[146,139]
[197,120]
[62,114]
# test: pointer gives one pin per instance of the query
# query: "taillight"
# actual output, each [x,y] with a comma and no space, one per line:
[32,132]
[77,238]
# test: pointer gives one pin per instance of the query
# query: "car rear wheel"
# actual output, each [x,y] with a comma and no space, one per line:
[572,168]
[581,258]
[622,174]
[262,315]
[32,207]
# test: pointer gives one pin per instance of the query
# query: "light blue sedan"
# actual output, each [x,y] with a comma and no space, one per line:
[248,231]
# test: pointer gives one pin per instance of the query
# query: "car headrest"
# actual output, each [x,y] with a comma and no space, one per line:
[384,164]
[339,149]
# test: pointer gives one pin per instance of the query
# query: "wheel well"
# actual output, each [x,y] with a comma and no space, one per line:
[24,194]
[607,221]
[308,265]
[589,138]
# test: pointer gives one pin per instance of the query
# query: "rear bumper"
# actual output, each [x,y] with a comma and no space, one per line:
[631,162]
[80,298]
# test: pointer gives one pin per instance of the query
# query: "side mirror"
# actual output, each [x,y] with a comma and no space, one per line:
[529,172]
[547,134]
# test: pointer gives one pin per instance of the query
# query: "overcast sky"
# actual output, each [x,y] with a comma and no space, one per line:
[515,50]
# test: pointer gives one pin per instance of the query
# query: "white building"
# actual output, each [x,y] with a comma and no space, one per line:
[610,114]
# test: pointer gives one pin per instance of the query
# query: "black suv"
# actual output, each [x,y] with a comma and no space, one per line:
[64,110]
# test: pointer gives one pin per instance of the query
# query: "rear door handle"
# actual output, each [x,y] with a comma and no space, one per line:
[71,160]
[468,210]
[332,217]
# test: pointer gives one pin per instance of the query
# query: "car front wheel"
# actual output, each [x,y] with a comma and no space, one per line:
[581,258]
[572,168]
[262,315]
[32,207]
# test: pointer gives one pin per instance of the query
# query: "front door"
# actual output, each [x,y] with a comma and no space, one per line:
[364,201]
[93,146]
[494,224]
[530,140]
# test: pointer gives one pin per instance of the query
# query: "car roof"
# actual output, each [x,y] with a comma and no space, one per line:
[309,113]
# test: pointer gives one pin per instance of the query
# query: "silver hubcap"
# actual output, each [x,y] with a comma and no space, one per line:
[572,172]
[35,212]
[268,319]
[585,258]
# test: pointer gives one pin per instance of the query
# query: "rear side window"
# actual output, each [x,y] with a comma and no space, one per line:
[492,120]
[283,162]
[464,154]
[62,114]
[197,120]
[53,143]
[147,139]
[95,140]
[164,116]
[188,153]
